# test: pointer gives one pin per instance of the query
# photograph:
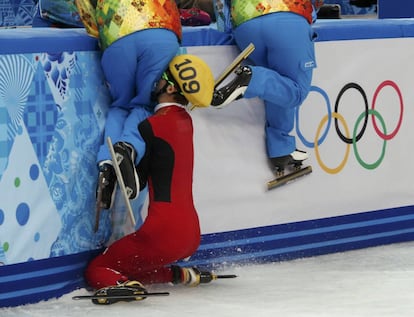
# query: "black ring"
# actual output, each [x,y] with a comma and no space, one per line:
[361,133]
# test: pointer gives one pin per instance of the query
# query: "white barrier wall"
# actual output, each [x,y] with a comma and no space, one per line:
[371,174]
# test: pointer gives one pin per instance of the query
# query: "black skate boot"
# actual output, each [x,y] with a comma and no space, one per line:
[105,188]
[234,90]
[128,290]
[190,276]
[294,159]
[126,160]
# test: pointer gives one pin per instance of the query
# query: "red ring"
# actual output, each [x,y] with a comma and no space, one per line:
[397,128]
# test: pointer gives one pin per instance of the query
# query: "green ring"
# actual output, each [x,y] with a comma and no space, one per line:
[360,161]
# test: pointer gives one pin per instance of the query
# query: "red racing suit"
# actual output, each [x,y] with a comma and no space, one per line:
[171,230]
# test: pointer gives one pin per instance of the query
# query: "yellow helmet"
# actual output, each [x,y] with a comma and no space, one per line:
[194,78]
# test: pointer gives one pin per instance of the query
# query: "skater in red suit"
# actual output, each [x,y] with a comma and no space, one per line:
[171,231]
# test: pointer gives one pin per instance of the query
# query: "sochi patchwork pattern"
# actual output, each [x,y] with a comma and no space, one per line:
[53,112]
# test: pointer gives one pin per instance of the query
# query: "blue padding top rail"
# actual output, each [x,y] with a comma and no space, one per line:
[355,29]
[50,40]
[36,40]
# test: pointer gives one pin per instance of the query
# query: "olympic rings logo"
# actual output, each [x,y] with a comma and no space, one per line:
[348,138]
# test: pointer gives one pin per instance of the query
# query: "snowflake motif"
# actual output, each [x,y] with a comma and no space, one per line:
[16,74]
[58,67]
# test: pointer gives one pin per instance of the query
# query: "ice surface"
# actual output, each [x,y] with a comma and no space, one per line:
[369,282]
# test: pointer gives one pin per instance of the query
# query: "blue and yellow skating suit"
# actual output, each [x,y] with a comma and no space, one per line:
[244,10]
[113,19]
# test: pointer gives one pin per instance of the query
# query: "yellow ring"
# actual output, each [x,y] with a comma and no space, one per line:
[348,146]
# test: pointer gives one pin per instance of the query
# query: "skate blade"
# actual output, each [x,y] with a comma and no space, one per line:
[236,62]
[282,180]
[109,300]
[116,158]
[98,206]
[223,276]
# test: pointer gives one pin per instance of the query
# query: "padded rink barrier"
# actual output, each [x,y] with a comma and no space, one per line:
[53,102]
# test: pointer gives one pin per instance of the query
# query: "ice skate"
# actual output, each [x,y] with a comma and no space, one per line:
[125,158]
[292,162]
[105,188]
[128,291]
[192,276]
[234,90]
[125,155]
[125,292]
[294,159]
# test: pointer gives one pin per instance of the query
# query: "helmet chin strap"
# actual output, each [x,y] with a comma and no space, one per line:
[156,94]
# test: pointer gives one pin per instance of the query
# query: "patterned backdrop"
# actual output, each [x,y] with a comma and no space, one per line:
[52,110]
[16,12]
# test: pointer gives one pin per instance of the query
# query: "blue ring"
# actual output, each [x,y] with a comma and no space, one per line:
[324,135]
